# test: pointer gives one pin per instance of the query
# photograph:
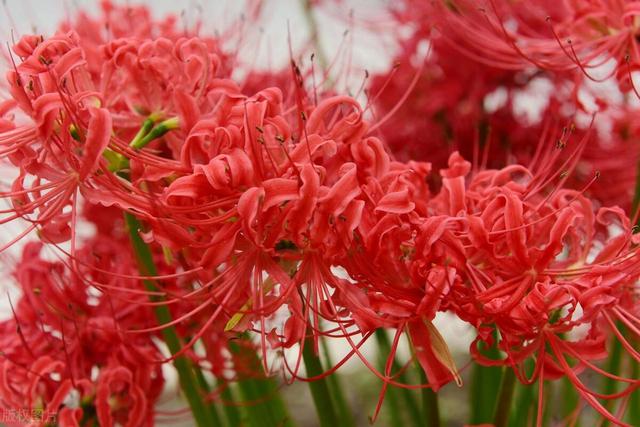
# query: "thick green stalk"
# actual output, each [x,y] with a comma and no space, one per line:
[523,408]
[268,391]
[485,385]
[614,362]
[257,413]
[633,414]
[231,411]
[393,404]
[547,402]
[430,405]
[266,407]
[391,396]
[213,410]
[570,399]
[633,405]
[483,392]
[505,396]
[327,413]
[408,398]
[184,366]
[411,404]
[335,387]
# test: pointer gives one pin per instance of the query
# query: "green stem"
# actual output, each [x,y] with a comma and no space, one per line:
[147,125]
[634,402]
[184,366]
[231,411]
[614,363]
[485,385]
[312,23]
[505,396]
[268,391]
[430,405]
[145,136]
[261,392]
[484,388]
[547,398]
[633,406]
[408,398]
[204,385]
[257,413]
[523,409]
[335,387]
[319,388]
[391,398]
[570,400]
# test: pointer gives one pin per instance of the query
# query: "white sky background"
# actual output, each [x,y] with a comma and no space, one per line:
[266,46]
[42,16]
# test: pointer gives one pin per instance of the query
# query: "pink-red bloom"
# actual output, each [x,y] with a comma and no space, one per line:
[294,215]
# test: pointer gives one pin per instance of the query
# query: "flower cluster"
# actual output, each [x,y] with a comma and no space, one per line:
[469,98]
[227,208]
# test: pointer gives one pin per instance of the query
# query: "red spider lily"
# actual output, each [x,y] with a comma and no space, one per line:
[65,350]
[56,161]
[528,269]
[476,110]
[125,22]
[72,88]
[576,35]
[294,217]
[454,104]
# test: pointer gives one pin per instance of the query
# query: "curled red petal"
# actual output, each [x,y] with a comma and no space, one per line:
[97,140]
